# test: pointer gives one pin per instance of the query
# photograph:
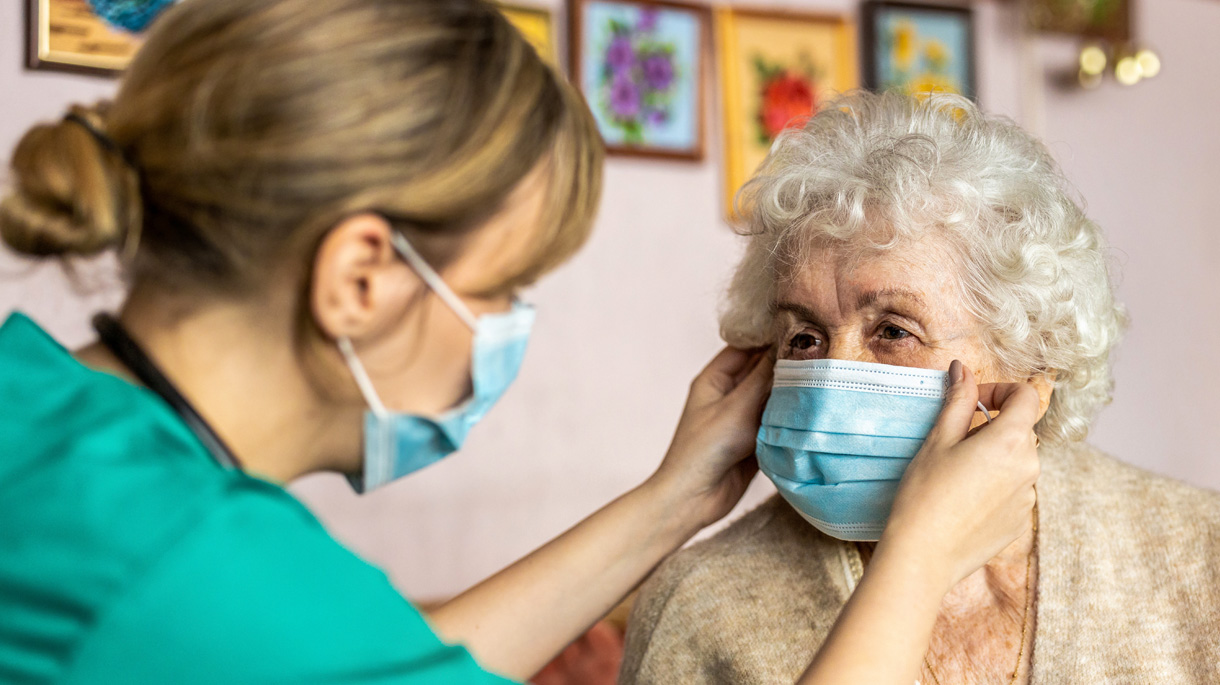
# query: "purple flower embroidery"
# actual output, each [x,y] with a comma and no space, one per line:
[624,97]
[620,56]
[637,76]
[648,20]
[658,71]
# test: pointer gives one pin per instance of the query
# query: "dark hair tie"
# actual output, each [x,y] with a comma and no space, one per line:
[102,139]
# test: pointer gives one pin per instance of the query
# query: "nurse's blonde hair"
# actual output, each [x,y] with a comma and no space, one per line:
[246,129]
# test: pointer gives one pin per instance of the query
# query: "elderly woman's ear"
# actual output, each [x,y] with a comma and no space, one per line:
[1044,383]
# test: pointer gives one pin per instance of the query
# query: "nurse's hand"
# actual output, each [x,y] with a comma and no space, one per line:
[964,498]
[711,459]
[969,494]
[518,620]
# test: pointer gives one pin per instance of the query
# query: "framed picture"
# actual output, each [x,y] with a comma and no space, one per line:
[67,35]
[641,66]
[1104,19]
[776,69]
[916,48]
[537,25]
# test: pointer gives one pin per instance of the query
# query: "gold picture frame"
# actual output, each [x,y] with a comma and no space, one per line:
[537,25]
[775,68]
[67,35]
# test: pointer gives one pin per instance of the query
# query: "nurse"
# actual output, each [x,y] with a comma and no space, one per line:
[324,210]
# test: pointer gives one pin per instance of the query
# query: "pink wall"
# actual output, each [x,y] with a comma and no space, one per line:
[26,97]
[1148,161]
[624,327]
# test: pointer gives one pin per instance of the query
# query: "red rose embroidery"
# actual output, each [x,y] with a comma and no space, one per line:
[787,102]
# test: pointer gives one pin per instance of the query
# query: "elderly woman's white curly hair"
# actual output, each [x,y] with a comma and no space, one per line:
[871,171]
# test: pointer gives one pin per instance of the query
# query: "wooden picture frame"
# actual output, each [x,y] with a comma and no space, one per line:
[1083,19]
[939,42]
[66,35]
[776,68]
[672,125]
[537,24]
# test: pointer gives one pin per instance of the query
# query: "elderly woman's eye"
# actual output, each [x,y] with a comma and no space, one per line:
[892,332]
[803,341]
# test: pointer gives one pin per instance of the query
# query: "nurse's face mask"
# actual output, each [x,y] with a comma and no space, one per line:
[837,436]
[395,443]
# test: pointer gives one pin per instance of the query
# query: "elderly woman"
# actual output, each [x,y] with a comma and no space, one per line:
[907,232]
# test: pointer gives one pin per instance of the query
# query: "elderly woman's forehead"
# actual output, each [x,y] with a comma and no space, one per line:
[932,248]
[916,271]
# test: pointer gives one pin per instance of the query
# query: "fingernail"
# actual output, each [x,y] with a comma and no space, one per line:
[955,372]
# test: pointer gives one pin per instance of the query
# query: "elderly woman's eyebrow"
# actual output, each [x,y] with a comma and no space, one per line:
[872,297]
[797,308]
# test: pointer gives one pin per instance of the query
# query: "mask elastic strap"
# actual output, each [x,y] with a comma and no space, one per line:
[433,279]
[362,378]
[986,414]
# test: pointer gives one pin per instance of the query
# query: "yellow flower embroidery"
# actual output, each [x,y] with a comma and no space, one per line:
[937,55]
[905,42]
[926,84]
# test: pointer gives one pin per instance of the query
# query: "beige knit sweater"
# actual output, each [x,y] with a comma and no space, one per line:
[1128,588]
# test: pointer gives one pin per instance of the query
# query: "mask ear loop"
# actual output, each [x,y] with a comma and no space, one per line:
[986,414]
[362,378]
[433,279]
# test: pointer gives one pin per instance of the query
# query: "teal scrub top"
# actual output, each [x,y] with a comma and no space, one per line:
[127,555]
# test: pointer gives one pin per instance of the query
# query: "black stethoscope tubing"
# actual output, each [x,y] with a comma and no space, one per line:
[128,351]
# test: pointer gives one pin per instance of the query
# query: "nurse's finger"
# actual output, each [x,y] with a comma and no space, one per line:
[1019,402]
[756,385]
[764,356]
[747,468]
[719,377]
[961,401]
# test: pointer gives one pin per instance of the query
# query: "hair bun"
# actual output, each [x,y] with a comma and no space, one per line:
[71,194]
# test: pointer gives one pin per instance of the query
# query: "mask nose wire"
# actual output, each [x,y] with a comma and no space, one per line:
[429,276]
[986,414]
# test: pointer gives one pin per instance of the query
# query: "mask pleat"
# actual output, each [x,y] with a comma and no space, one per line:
[836,438]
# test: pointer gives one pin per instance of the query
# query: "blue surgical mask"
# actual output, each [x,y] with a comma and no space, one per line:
[397,444]
[837,436]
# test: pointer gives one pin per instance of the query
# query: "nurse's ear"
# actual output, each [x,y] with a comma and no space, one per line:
[360,285]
